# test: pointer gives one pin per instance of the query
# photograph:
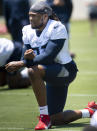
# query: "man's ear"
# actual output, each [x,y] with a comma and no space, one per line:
[45,17]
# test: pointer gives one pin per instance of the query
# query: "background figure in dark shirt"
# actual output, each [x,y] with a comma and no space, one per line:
[16,16]
[63,9]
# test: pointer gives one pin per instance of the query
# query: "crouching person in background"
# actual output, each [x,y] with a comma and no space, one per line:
[10,51]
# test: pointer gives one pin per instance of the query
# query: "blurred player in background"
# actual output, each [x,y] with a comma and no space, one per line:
[92,11]
[63,9]
[48,59]
[10,51]
[16,16]
[90,128]
[93,123]
[94,119]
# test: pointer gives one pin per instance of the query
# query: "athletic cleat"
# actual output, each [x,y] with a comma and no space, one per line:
[44,123]
[92,107]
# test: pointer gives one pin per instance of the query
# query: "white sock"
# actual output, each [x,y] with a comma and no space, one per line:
[85,113]
[44,110]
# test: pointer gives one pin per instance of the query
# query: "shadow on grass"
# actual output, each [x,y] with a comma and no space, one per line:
[6,88]
[72,125]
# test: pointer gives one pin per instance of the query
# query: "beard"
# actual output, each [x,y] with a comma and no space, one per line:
[37,26]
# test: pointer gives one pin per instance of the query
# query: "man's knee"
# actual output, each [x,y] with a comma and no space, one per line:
[30,72]
[35,72]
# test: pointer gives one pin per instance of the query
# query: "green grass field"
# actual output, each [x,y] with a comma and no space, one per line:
[18,108]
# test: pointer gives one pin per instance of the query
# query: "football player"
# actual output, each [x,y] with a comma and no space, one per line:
[48,60]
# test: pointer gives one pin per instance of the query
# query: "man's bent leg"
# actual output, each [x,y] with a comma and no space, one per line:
[65,117]
[70,115]
[56,103]
[36,77]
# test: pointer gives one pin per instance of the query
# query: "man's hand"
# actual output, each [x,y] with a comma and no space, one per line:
[29,54]
[14,66]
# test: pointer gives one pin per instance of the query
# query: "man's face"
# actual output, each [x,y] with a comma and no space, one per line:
[36,20]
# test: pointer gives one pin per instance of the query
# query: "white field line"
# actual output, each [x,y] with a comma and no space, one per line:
[64,130]
[14,128]
[85,95]
[25,94]
[88,72]
[13,122]
[87,60]
[85,51]
[9,128]
[21,94]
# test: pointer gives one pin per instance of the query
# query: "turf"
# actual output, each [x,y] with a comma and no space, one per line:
[18,108]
